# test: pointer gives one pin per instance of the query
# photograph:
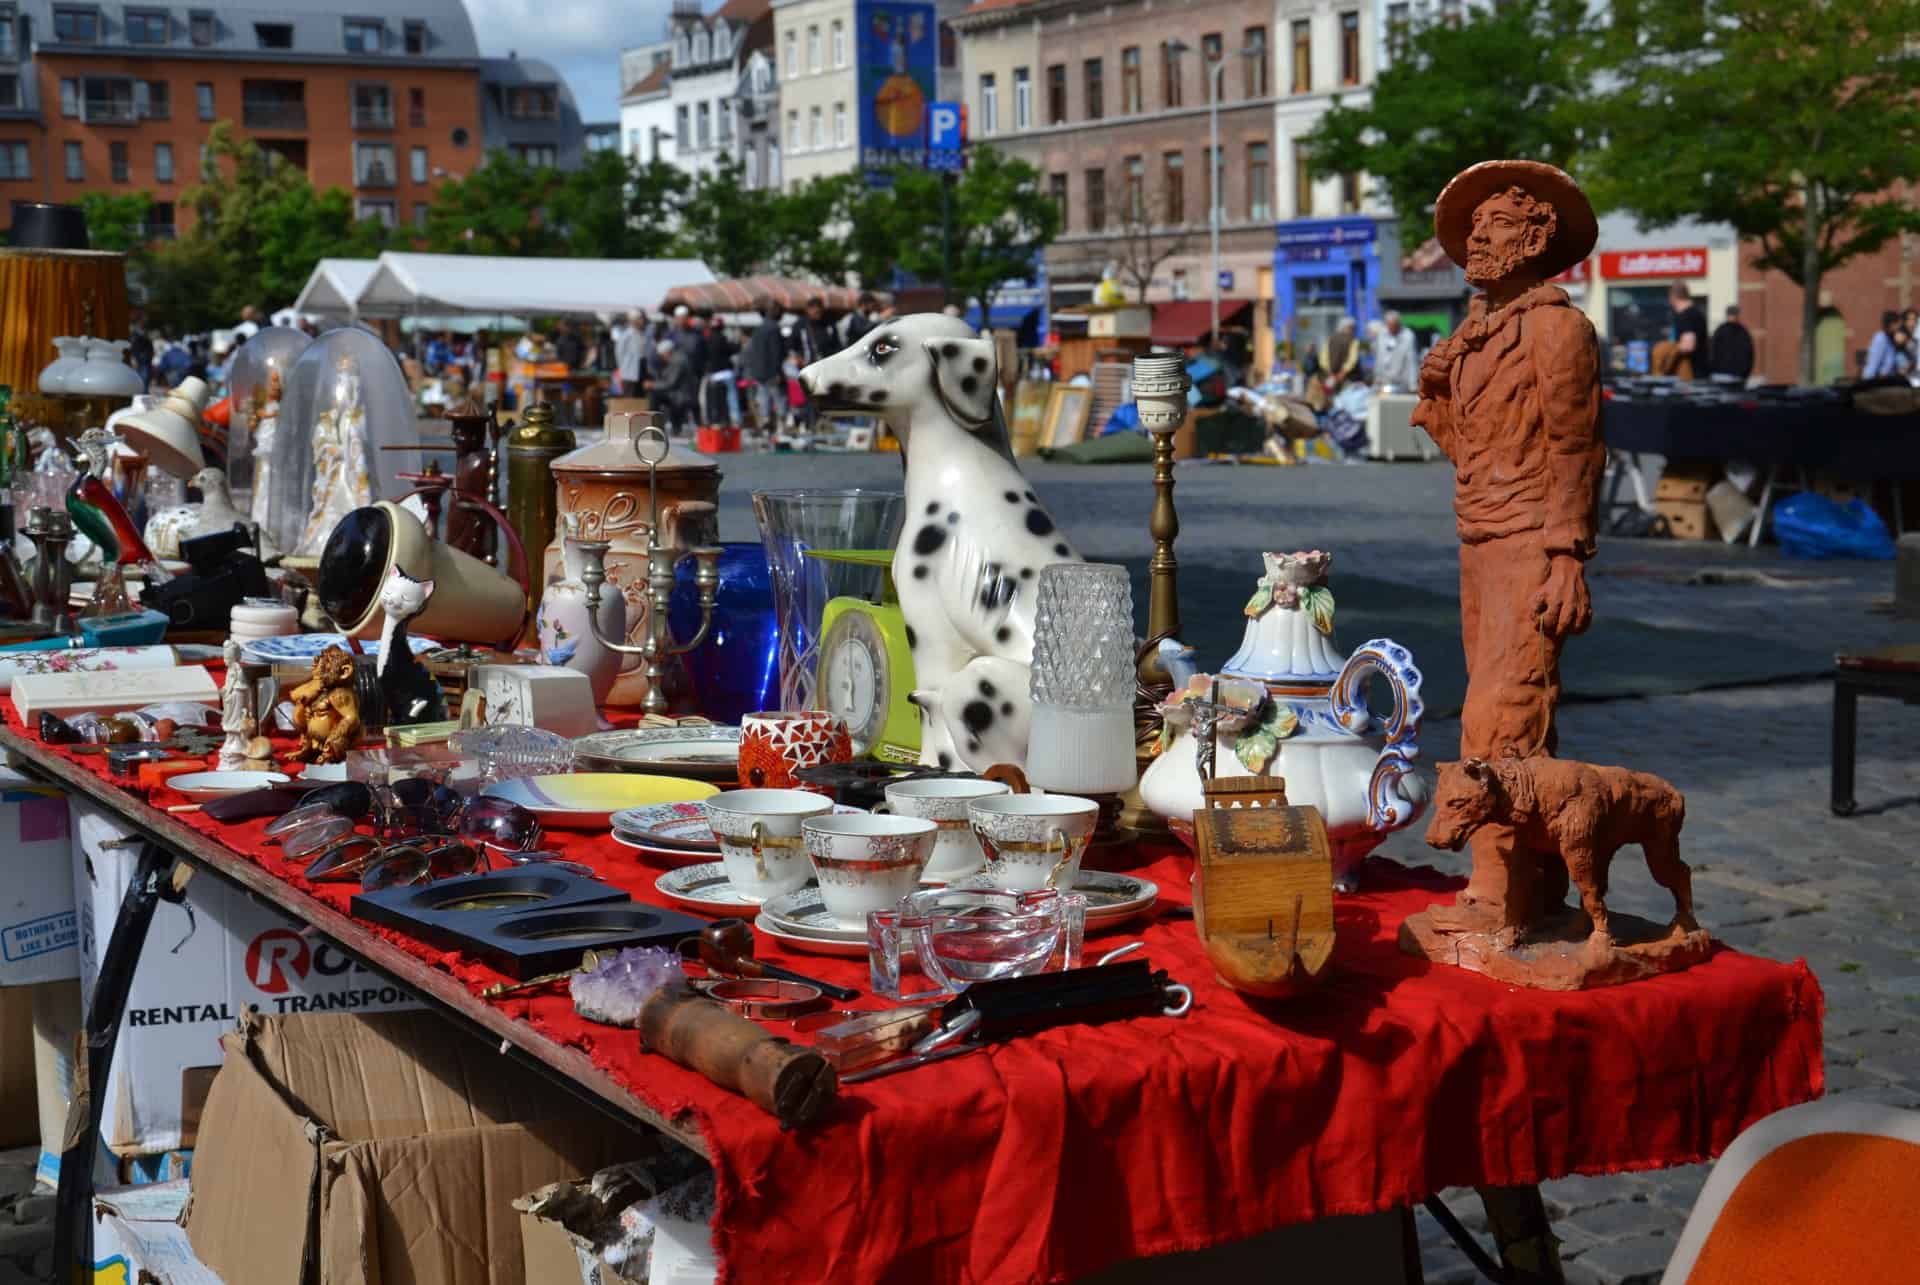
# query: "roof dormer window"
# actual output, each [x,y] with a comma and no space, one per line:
[365,36]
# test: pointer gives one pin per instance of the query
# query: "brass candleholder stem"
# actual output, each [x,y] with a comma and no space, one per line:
[658,646]
[1163,600]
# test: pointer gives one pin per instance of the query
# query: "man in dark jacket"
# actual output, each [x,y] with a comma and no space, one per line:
[813,338]
[765,352]
[1733,347]
[718,395]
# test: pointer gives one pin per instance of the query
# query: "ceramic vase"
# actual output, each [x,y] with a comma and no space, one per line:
[565,626]
[1317,731]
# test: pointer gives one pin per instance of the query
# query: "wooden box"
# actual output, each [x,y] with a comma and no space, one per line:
[1684,488]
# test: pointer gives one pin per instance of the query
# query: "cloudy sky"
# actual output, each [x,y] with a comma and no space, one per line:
[583,38]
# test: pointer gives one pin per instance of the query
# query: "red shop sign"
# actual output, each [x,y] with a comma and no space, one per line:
[1576,275]
[1689,261]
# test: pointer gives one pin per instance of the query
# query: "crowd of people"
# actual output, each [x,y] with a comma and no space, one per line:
[1894,352]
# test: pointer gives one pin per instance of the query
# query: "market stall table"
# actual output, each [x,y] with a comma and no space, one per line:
[1056,1155]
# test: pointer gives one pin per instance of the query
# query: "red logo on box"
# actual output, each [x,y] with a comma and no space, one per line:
[273,955]
[1689,261]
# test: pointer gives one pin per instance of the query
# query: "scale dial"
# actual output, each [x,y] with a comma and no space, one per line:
[857,678]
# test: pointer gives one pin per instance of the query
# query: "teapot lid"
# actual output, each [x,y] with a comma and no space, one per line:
[615,451]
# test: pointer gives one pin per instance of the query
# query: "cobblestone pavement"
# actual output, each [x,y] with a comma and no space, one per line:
[1774,872]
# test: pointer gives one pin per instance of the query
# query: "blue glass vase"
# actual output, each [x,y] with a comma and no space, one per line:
[735,671]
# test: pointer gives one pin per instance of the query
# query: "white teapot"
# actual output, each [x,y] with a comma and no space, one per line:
[1288,704]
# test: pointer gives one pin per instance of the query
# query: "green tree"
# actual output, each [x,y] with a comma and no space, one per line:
[116,221]
[734,229]
[500,208]
[1503,83]
[1001,220]
[814,228]
[615,208]
[1792,122]
[305,226]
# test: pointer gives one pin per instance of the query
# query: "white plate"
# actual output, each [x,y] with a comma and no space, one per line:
[804,913]
[217,785]
[665,856]
[325,772]
[668,825]
[704,887]
[710,753]
[1111,898]
[807,942]
[297,649]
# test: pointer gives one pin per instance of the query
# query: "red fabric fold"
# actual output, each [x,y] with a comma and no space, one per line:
[1053,1156]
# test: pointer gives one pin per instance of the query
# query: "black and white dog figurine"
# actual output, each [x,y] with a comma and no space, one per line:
[975,537]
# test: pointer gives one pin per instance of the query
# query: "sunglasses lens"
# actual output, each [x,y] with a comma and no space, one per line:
[344,858]
[450,859]
[317,832]
[506,826]
[400,866]
[348,798]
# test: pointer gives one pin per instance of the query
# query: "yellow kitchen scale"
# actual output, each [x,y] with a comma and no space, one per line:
[865,673]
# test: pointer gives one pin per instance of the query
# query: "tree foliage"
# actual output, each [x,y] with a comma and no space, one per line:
[1001,220]
[1792,122]
[728,225]
[498,209]
[116,221]
[1503,83]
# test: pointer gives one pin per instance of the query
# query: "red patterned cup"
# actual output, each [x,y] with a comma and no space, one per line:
[774,745]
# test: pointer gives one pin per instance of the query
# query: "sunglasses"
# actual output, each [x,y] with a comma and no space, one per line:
[414,809]
[396,865]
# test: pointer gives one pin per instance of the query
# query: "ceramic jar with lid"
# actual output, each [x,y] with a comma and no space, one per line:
[601,491]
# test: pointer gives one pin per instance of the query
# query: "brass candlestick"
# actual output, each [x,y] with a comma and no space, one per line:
[1160,393]
[658,646]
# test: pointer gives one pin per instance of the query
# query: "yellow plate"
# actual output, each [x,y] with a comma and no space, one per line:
[587,800]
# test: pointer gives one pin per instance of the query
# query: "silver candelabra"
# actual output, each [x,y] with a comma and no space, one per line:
[658,645]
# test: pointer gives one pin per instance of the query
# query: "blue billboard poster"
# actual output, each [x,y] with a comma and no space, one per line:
[898,48]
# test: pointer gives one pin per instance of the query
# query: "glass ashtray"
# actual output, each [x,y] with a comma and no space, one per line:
[960,936]
[503,753]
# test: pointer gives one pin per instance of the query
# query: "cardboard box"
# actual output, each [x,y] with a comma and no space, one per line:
[1681,489]
[1687,519]
[206,964]
[138,1240]
[39,934]
[387,1148]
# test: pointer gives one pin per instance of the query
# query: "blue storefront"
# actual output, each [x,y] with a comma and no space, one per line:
[1323,270]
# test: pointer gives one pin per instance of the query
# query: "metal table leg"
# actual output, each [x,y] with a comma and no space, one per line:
[73,1205]
[1846,701]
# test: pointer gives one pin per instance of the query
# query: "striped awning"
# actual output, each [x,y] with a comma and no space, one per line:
[738,294]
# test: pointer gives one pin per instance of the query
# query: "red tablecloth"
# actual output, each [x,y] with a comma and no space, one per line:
[1053,1156]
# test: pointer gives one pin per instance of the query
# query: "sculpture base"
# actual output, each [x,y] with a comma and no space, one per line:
[1558,954]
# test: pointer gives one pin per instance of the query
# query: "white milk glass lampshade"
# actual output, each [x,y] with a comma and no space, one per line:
[1082,680]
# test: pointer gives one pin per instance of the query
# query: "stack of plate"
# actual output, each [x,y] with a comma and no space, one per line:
[801,919]
[699,751]
[676,833]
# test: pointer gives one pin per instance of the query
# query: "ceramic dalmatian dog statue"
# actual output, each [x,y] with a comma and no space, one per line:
[975,537]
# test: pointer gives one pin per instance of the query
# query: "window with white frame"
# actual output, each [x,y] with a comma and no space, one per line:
[726,121]
[839,43]
[386,213]
[989,105]
[417,164]
[683,126]
[16,161]
[839,124]
[813,49]
[163,162]
[681,51]
[722,42]
[76,163]
[703,131]
[816,129]
[1022,98]
[699,48]
[793,55]
[793,131]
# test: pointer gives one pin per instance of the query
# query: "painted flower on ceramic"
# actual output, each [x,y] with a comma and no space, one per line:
[1293,580]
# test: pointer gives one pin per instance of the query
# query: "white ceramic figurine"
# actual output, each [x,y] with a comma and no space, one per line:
[975,536]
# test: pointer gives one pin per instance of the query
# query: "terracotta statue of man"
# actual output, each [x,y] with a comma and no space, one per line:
[1513,398]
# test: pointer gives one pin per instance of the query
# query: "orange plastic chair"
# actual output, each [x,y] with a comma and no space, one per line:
[1812,1195]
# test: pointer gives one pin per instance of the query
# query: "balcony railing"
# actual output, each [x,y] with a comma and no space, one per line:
[375,176]
[156,232]
[373,118]
[274,115]
[108,111]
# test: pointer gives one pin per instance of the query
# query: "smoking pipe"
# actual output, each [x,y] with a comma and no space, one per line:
[726,946]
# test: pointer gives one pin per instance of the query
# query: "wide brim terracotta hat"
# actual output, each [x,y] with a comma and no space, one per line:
[1575,228]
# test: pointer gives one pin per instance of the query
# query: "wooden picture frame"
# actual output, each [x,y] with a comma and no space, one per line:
[1067,413]
[1030,400]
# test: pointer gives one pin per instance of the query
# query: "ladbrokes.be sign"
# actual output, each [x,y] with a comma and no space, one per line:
[1688,261]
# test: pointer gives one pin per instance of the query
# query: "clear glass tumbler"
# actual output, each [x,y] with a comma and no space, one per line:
[798,525]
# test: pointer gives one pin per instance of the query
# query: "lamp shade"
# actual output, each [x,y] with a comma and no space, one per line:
[41,225]
[169,434]
[471,602]
[105,372]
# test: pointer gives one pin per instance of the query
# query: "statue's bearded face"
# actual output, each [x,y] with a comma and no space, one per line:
[1510,230]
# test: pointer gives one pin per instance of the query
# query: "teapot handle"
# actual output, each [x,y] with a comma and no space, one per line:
[1388,806]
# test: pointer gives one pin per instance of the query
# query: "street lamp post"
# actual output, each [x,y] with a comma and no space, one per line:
[1216,68]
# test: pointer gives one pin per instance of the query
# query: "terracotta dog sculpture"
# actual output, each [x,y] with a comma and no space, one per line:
[1583,812]
[975,536]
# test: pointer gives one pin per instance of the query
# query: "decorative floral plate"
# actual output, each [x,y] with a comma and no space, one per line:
[702,751]
[1112,899]
[669,857]
[667,825]
[800,939]
[804,914]
[299,649]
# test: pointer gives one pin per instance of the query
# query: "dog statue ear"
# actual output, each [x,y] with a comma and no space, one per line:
[965,375]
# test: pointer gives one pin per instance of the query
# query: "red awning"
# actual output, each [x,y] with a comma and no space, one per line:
[1187,321]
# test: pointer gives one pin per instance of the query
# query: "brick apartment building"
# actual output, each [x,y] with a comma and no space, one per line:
[384,102]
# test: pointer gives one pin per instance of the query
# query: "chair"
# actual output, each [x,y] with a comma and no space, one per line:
[1892,671]
[1808,1196]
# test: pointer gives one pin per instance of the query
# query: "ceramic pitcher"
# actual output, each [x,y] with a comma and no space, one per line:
[1301,713]
[565,626]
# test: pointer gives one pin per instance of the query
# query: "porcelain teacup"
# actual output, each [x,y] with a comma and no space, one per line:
[867,862]
[1034,840]
[943,801]
[759,835]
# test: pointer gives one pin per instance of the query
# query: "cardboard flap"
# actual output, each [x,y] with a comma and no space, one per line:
[394,1075]
[259,1159]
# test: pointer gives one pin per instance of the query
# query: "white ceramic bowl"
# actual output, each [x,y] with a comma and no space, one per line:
[217,785]
[1028,836]
[867,862]
[759,836]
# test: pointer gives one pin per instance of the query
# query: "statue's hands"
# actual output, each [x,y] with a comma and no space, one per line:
[1562,603]
[1436,372]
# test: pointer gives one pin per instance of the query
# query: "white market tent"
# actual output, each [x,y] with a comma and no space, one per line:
[408,284]
[333,287]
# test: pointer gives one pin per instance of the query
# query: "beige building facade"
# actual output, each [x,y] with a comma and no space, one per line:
[818,107]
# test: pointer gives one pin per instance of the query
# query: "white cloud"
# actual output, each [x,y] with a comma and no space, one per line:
[582,39]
